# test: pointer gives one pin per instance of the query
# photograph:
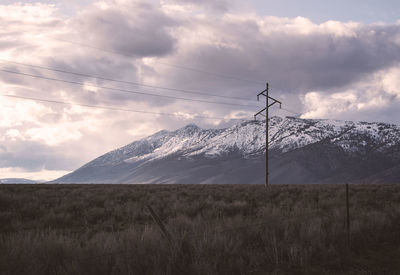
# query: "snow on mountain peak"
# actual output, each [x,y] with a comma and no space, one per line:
[248,138]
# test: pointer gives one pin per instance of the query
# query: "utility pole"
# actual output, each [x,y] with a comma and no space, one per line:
[267,105]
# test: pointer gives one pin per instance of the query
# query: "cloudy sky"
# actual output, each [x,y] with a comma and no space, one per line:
[164,64]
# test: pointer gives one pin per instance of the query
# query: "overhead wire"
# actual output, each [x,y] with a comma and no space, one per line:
[167,64]
[122,90]
[124,81]
[126,91]
[163,63]
[135,92]
[142,84]
[292,112]
[295,113]
[116,108]
[156,86]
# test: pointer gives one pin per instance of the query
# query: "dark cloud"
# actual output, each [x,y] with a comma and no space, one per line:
[231,55]
[95,65]
[7,44]
[137,29]
[289,60]
[11,78]
[216,5]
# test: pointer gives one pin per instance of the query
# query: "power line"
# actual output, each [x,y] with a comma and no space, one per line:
[167,64]
[113,108]
[163,63]
[210,73]
[124,82]
[109,79]
[125,91]
[292,112]
[147,85]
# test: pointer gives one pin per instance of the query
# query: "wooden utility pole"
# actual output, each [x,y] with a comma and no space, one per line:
[267,105]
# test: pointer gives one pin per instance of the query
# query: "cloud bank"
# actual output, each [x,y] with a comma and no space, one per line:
[344,70]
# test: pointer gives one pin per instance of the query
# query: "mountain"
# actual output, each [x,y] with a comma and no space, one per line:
[300,151]
[17,180]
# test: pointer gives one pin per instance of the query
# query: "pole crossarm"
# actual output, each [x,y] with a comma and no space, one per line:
[280,104]
[267,105]
[260,113]
[275,100]
[265,93]
[261,93]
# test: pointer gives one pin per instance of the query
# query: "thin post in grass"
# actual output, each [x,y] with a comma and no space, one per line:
[160,224]
[164,231]
[347,214]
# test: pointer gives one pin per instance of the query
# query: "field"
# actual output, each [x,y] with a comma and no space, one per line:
[214,229]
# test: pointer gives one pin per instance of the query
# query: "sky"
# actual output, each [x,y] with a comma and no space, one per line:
[81,78]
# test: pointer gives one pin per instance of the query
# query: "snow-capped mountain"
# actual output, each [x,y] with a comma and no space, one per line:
[301,151]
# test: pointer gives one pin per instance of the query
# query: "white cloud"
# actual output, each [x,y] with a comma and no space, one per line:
[303,26]
[30,120]
[390,80]
[36,14]
[342,70]
[321,105]
[14,112]
[42,175]
[13,134]
[364,100]
[53,135]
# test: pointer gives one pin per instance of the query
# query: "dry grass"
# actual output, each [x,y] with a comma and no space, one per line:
[216,229]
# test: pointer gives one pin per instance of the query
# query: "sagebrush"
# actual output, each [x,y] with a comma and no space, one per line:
[215,229]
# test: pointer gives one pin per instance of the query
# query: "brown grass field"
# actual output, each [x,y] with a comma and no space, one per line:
[215,229]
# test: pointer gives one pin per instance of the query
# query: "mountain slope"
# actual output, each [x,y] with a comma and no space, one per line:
[301,151]
[17,180]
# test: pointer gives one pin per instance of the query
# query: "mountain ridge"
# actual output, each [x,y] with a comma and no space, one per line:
[157,158]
